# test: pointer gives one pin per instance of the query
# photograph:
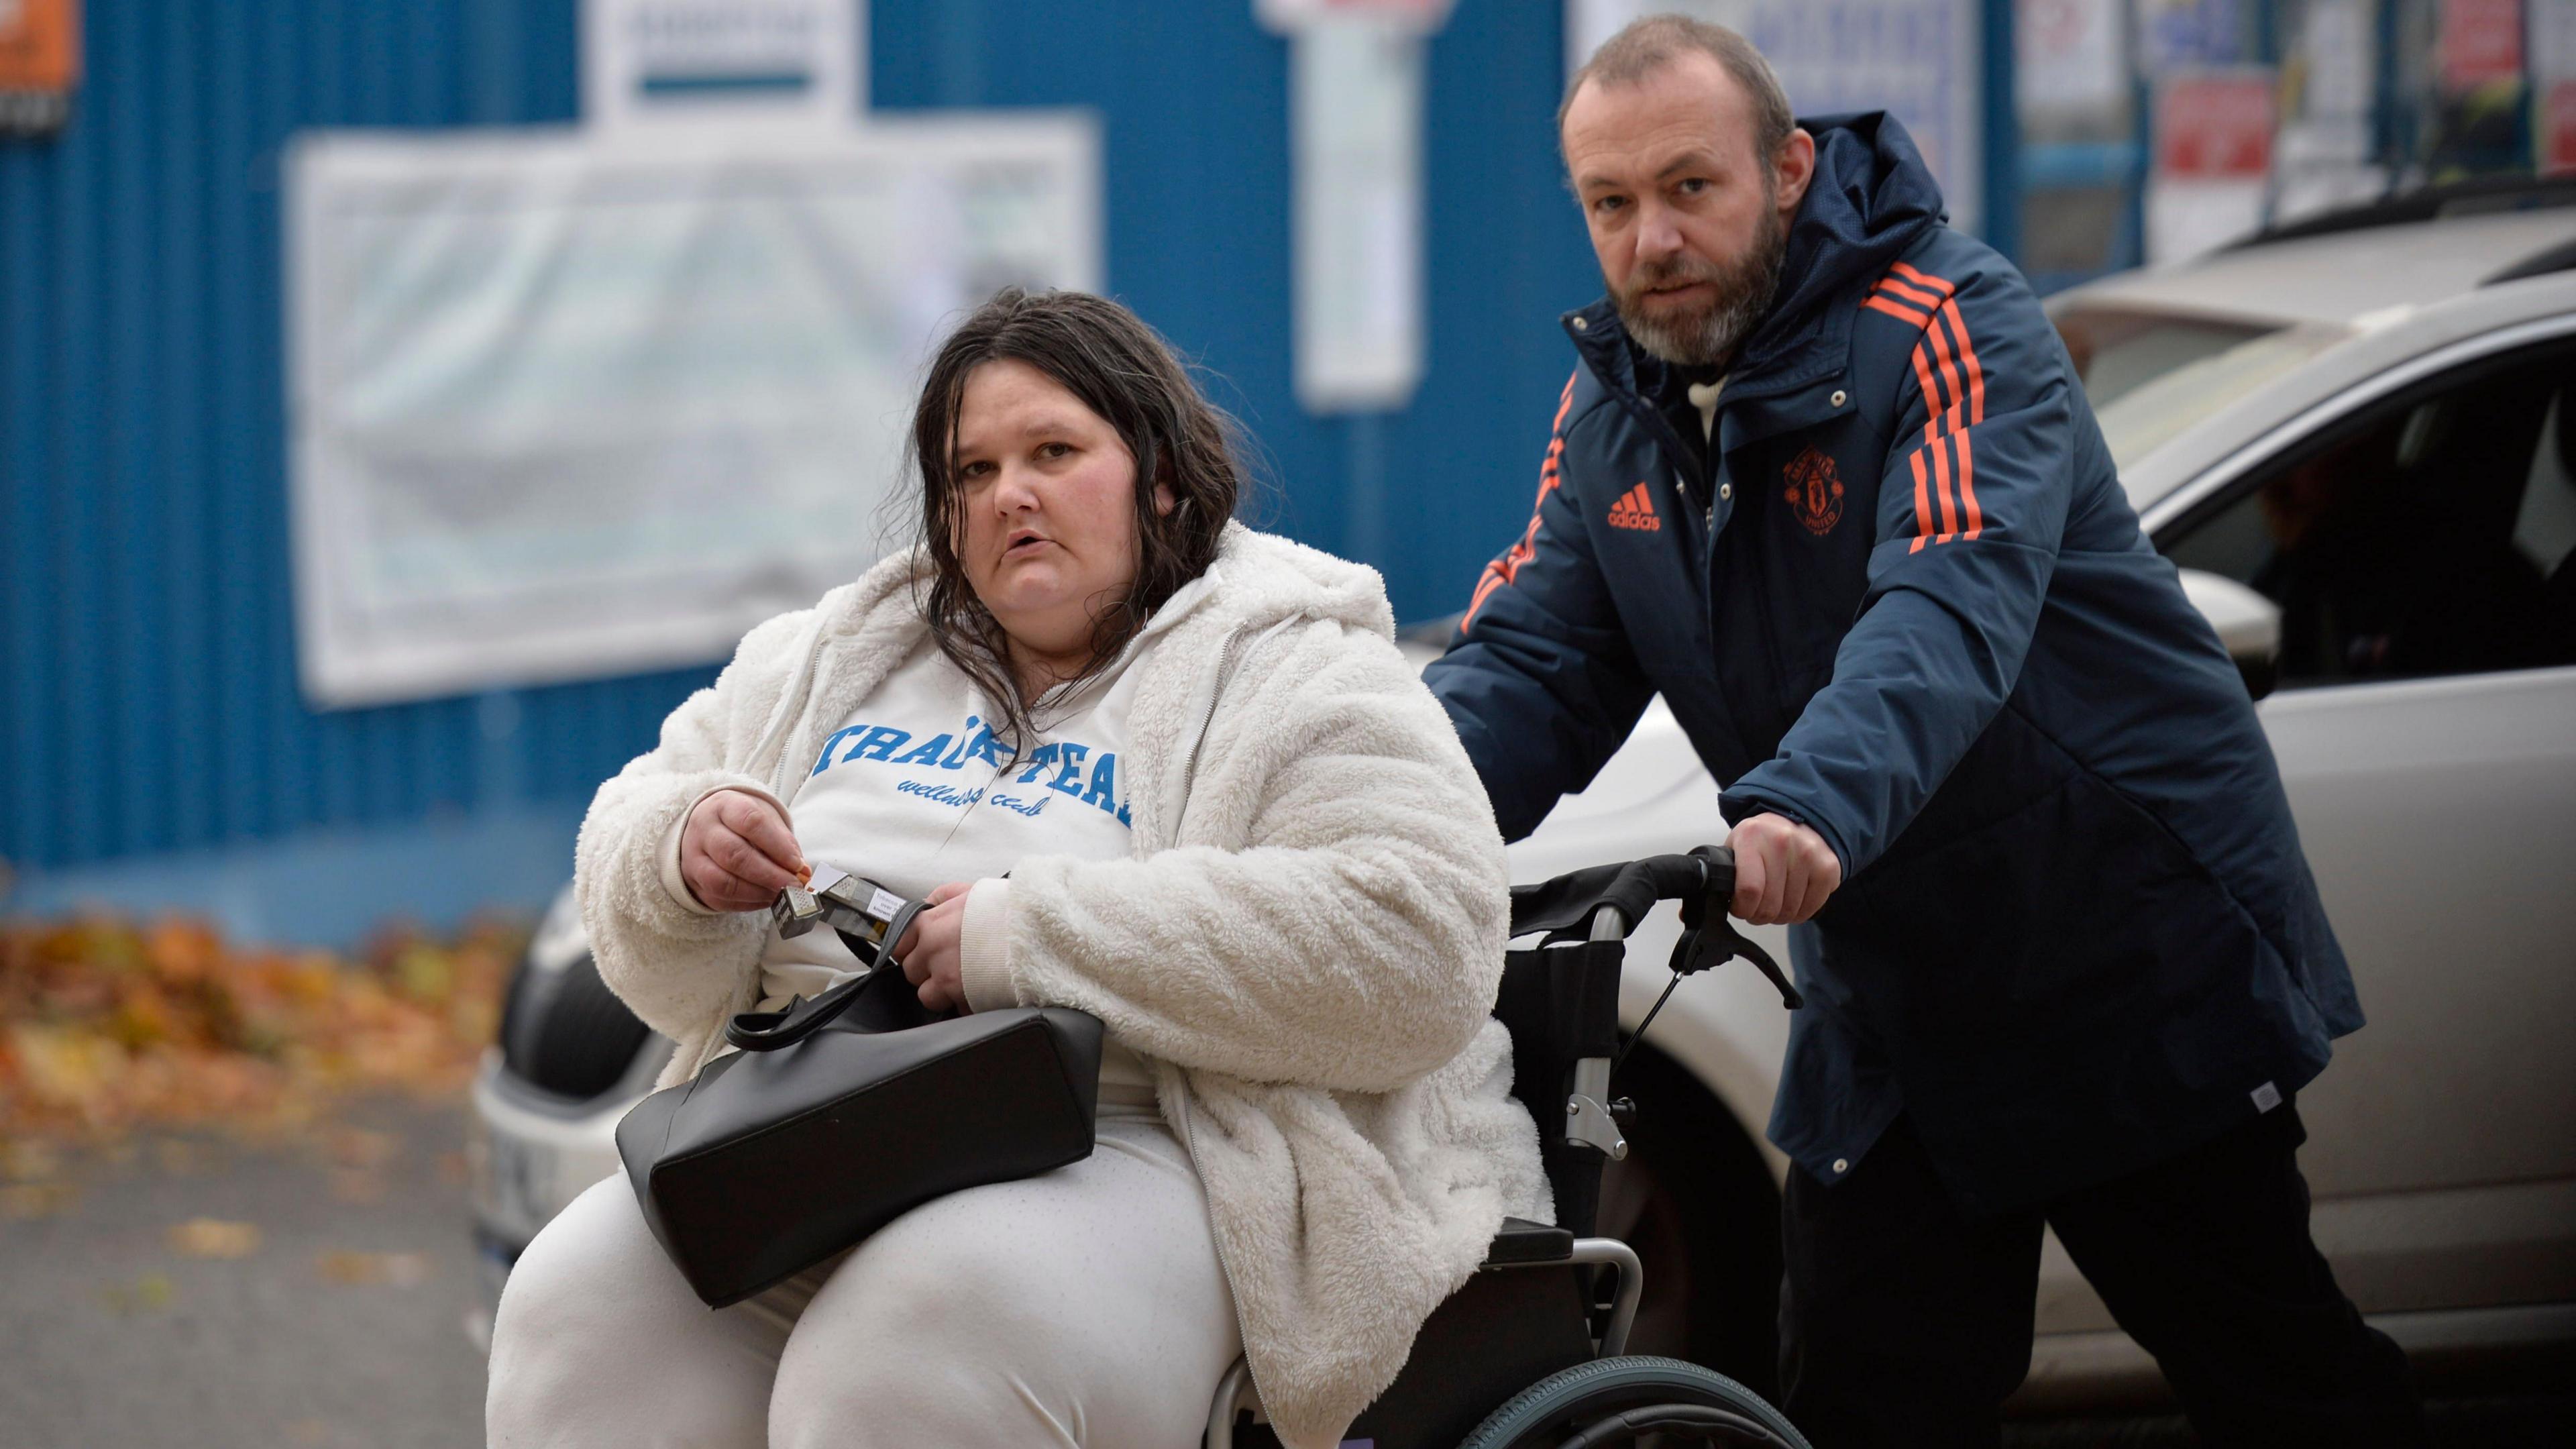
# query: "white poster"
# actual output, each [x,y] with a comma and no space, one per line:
[1919,59]
[561,409]
[2067,57]
[1355,149]
[1355,93]
[717,62]
[2323,156]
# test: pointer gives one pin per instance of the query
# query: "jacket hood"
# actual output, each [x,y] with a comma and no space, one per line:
[1871,200]
[1264,579]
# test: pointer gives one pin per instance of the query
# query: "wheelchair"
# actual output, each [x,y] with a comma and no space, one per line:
[1530,1352]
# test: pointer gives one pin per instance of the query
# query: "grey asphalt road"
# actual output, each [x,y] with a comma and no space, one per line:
[340,1324]
[314,1292]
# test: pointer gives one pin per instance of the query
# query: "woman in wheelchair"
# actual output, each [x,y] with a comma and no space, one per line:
[1141,761]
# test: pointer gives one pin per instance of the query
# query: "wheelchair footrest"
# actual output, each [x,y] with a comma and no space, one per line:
[1521,1241]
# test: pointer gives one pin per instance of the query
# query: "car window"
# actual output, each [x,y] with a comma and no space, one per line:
[2116,350]
[2154,383]
[2431,535]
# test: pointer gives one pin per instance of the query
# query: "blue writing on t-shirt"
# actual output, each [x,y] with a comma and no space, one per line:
[1075,769]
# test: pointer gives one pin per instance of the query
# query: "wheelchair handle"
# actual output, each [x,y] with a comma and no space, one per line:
[1605,902]
[1630,888]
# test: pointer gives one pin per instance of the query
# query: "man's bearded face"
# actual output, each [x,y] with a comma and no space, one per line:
[1704,329]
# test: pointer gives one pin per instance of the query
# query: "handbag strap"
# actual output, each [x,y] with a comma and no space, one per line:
[767,1031]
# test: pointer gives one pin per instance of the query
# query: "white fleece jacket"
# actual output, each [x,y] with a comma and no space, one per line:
[1304,945]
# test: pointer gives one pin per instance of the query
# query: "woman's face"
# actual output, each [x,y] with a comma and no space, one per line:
[1045,518]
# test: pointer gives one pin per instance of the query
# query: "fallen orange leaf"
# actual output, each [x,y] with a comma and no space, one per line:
[212,1238]
[399,1270]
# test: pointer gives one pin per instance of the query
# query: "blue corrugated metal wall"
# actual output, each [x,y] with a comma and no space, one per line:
[146,626]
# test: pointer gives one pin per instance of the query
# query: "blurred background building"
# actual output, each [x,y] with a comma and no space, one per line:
[402,405]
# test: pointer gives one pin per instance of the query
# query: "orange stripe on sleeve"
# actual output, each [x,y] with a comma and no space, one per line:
[1968,491]
[1923,297]
[1955,356]
[1922,504]
[1968,355]
[1950,375]
[1925,278]
[1907,314]
[1507,568]
[1941,486]
[1931,393]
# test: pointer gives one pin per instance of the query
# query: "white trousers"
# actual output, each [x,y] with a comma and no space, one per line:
[1083,1307]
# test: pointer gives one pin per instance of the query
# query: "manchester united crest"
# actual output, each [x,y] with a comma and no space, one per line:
[1815,491]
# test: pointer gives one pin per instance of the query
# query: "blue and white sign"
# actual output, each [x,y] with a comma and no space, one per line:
[2190,34]
[715,62]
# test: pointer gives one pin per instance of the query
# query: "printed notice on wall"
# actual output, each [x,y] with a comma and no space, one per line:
[563,410]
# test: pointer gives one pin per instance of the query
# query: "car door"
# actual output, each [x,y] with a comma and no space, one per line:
[2419,545]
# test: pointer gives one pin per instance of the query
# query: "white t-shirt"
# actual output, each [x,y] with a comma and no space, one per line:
[911,792]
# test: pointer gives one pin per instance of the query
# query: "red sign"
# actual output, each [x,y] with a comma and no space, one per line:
[2557,129]
[2481,42]
[2215,125]
[39,62]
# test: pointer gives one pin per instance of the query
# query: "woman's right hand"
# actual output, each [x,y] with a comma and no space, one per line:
[737,854]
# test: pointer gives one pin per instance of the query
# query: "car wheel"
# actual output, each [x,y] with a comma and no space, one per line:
[564,1032]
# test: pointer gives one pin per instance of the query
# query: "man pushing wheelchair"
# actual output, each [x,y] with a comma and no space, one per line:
[1825,479]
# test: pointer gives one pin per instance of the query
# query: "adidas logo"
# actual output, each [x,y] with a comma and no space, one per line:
[1635,510]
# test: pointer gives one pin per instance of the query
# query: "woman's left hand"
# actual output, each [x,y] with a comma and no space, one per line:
[930,950]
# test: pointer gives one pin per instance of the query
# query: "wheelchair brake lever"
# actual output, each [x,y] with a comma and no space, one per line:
[1761,959]
[1710,939]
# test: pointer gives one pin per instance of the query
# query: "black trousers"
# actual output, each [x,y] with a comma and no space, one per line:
[1904,1321]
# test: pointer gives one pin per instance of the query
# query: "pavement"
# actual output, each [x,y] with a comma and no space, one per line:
[317,1291]
[309,1292]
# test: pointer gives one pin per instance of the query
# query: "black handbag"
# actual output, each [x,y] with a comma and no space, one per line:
[841,1113]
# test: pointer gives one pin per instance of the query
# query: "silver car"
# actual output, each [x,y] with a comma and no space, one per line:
[2405,380]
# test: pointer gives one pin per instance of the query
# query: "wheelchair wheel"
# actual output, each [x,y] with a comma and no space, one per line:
[1633,1399]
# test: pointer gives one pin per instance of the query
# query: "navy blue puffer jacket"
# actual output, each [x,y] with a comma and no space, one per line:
[1900,597]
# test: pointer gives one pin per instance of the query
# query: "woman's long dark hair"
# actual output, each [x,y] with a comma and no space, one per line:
[1124,371]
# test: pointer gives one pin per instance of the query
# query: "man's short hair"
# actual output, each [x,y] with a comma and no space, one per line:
[1629,56]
